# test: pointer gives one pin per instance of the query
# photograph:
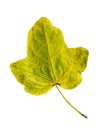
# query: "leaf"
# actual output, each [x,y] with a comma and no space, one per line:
[49,61]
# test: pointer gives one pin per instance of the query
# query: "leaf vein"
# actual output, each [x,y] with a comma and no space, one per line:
[33,74]
[48,53]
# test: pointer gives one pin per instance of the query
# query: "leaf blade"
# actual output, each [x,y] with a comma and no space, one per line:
[49,60]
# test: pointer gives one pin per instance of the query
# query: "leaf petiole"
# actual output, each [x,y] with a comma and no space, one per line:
[70,103]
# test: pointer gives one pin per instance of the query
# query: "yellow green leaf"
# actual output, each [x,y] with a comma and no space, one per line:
[49,61]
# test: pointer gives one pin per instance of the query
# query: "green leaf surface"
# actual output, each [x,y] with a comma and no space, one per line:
[49,61]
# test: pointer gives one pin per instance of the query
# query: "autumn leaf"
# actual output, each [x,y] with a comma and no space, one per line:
[49,61]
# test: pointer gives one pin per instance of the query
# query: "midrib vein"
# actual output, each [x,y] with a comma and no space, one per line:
[49,58]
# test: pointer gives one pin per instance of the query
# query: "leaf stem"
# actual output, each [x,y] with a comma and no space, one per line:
[70,103]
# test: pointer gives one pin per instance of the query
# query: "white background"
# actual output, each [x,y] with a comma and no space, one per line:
[81,24]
